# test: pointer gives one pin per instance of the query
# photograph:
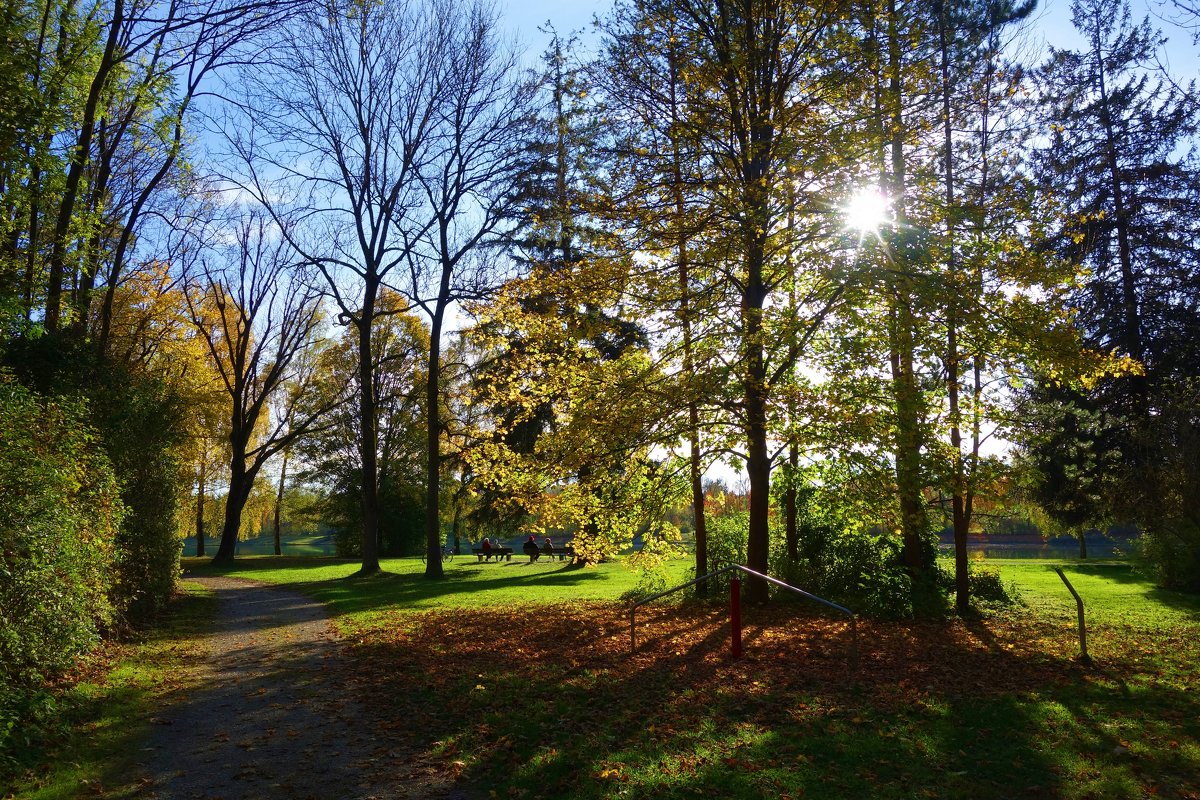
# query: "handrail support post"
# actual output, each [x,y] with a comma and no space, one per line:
[735,616]
[1083,653]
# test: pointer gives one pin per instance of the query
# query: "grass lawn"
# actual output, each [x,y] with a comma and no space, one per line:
[520,678]
[469,584]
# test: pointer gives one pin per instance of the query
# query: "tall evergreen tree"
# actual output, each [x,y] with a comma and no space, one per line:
[974,95]
[1119,157]
[658,195]
[566,316]
[755,80]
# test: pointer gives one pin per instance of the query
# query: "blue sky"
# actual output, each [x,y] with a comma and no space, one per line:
[1052,25]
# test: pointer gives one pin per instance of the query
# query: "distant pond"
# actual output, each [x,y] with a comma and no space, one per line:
[1098,547]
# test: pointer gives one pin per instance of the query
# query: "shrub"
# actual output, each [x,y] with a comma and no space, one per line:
[1170,553]
[137,419]
[856,569]
[985,585]
[58,560]
[727,534]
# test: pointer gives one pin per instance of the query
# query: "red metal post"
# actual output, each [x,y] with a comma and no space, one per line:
[735,615]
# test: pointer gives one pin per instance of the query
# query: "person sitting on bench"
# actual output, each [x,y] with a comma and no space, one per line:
[486,547]
[548,548]
[531,548]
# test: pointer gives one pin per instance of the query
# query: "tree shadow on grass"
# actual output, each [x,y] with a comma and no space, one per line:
[1188,604]
[264,563]
[462,584]
[561,707]
[412,590]
[1124,574]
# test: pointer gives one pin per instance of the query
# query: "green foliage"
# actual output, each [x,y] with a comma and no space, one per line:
[654,560]
[137,420]
[1171,553]
[858,569]
[401,516]
[984,584]
[142,436]
[1170,511]
[58,525]
[726,544]
[105,719]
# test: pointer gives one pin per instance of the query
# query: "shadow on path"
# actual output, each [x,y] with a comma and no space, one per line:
[269,716]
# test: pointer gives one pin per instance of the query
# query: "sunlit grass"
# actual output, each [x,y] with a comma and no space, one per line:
[468,584]
[1113,592]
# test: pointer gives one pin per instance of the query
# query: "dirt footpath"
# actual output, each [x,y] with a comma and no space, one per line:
[270,717]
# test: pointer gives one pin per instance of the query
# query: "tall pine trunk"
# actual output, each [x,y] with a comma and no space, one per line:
[902,329]
[758,459]
[960,520]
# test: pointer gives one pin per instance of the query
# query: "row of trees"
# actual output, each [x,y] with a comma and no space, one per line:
[265,222]
[699,190]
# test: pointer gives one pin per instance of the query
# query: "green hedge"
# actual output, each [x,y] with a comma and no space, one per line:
[137,420]
[59,519]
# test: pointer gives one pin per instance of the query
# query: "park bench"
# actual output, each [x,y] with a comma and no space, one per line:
[561,552]
[498,552]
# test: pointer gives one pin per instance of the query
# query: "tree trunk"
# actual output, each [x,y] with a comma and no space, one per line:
[240,482]
[907,441]
[700,525]
[790,512]
[758,459]
[31,260]
[696,475]
[454,528]
[959,518]
[433,440]
[1082,545]
[200,504]
[368,443]
[909,481]
[79,161]
[279,503]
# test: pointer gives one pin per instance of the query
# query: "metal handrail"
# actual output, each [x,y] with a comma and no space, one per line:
[738,567]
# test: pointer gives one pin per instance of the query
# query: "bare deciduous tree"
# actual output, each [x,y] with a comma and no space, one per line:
[255,316]
[468,185]
[384,132]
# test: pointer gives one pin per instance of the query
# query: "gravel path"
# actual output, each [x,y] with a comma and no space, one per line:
[272,717]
